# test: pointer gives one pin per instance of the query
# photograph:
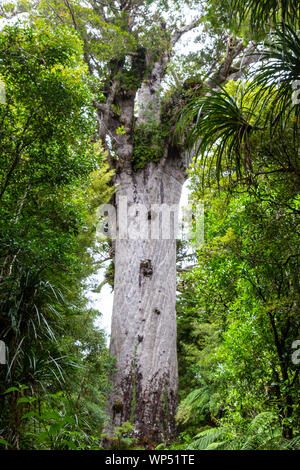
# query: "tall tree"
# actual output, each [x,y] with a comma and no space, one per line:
[129,45]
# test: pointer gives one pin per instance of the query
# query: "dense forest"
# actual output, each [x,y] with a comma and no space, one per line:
[105,100]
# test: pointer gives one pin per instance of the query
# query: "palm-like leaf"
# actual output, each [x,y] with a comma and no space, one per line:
[262,13]
[217,121]
[221,123]
[276,80]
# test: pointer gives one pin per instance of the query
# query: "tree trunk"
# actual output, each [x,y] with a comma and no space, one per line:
[143,336]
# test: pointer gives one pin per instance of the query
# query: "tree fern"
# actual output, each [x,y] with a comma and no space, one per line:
[263,433]
[206,438]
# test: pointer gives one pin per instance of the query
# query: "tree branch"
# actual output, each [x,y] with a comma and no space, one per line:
[230,71]
[177,35]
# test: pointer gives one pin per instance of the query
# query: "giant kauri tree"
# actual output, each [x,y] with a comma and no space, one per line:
[128,47]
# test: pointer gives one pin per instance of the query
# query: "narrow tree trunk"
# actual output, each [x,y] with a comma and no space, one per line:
[143,336]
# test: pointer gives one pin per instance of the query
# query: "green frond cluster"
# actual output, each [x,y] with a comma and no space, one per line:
[222,127]
[263,433]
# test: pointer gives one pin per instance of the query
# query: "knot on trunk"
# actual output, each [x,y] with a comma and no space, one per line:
[117,407]
[146,269]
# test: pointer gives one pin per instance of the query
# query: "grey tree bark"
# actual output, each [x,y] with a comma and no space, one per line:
[143,333]
[144,318]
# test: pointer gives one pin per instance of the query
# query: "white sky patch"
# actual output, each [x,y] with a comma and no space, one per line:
[19,18]
[103,302]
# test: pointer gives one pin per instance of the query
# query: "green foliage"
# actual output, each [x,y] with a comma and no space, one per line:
[47,107]
[219,117]
[245,386]
[263,433]
[122,438]
[273,84]
[196,406]
[149,139]
[56,426]
[262,14]
[223,126]
[54,422]
[251,19]
[52,178]
[245,286]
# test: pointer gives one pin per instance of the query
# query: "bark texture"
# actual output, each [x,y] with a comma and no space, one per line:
[144,318]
